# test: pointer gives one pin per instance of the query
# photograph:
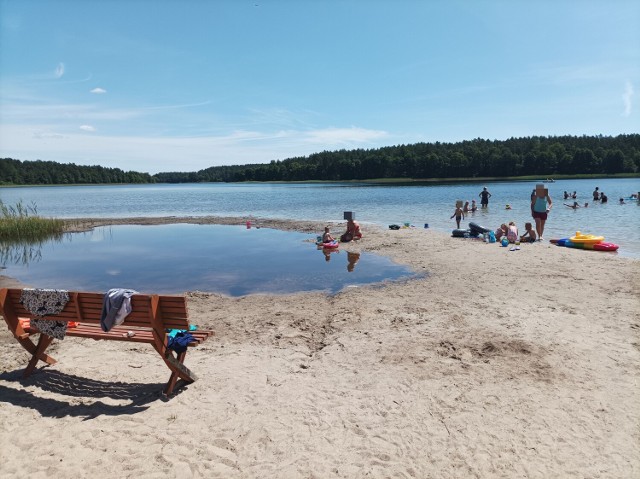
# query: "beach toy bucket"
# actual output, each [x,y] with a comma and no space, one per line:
[407,225]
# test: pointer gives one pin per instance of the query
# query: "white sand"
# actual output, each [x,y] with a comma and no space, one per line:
[496,364]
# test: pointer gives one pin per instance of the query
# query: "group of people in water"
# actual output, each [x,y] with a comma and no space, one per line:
[541,205]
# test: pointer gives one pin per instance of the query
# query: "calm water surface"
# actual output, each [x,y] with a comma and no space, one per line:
[375,204]
[175,258]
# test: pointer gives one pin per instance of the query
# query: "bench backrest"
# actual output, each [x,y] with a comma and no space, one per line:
[84,307]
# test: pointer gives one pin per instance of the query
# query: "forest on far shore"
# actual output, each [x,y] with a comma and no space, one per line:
[531,156]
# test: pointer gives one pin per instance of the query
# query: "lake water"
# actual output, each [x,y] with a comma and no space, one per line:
[232,260]
[371,203]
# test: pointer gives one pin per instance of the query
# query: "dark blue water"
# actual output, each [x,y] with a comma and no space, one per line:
[372,204]
[175,258]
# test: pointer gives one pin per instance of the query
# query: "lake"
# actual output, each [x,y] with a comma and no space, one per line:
[431,204]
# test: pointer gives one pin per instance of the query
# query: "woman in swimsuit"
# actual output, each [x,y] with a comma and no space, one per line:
[540,206]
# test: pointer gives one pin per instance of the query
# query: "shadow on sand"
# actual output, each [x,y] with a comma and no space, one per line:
[139,396]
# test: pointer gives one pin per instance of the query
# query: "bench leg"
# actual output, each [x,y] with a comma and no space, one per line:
[174,375]
[43,343]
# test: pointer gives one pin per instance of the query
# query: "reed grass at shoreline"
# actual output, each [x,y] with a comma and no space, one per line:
[21,223]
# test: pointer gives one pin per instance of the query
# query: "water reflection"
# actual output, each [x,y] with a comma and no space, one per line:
[352,260]
[26,251]
[20,253]
[352,257]
[231,260]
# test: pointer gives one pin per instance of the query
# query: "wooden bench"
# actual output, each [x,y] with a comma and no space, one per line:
[151,317]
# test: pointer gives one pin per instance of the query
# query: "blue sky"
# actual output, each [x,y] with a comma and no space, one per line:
[168,85]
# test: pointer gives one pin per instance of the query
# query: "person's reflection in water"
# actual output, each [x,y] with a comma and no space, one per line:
[353,259]
[327,253]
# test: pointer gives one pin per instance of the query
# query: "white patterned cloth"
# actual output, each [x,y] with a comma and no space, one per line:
[46,302]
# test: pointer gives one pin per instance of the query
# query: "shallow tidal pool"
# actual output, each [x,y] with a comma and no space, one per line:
[231,260]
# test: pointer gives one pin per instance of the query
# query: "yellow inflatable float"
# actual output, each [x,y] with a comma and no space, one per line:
[579,238]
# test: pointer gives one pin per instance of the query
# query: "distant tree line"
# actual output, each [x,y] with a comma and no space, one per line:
[540,156]
[16,172]
[530,156]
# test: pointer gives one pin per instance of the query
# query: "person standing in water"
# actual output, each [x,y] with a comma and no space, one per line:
[484,197]
[541,206]
[458,213]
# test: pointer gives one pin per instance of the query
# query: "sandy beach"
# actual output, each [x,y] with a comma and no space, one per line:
[496,363]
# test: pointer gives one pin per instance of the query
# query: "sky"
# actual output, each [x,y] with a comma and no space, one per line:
[182,85]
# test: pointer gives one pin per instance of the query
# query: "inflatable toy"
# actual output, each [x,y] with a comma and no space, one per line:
[586,239]
[602,246]
[478,228]
[330,245]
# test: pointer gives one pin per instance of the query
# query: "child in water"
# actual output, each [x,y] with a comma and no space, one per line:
[575,205]
[530,235]
[459,214]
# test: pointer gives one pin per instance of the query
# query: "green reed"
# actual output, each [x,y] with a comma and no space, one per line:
[21,223]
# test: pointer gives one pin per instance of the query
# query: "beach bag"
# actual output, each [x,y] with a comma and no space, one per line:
[394,227]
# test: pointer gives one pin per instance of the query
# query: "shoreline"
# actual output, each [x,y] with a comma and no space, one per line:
[497,364]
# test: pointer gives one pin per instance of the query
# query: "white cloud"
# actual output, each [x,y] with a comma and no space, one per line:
[87,128]
[154,154]
[98,90]
[59,70]
[343,136]
[627,96]
[45,135]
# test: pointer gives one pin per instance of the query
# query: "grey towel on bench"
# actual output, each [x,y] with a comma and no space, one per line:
[116,306]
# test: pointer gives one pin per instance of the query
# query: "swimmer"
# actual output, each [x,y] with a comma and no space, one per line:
[575,205]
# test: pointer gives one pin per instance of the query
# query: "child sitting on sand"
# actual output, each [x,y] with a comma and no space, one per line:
[512,232]
[530,235]
[500,232]
[326,237]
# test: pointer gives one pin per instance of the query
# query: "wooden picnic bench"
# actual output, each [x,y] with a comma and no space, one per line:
[150,320]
